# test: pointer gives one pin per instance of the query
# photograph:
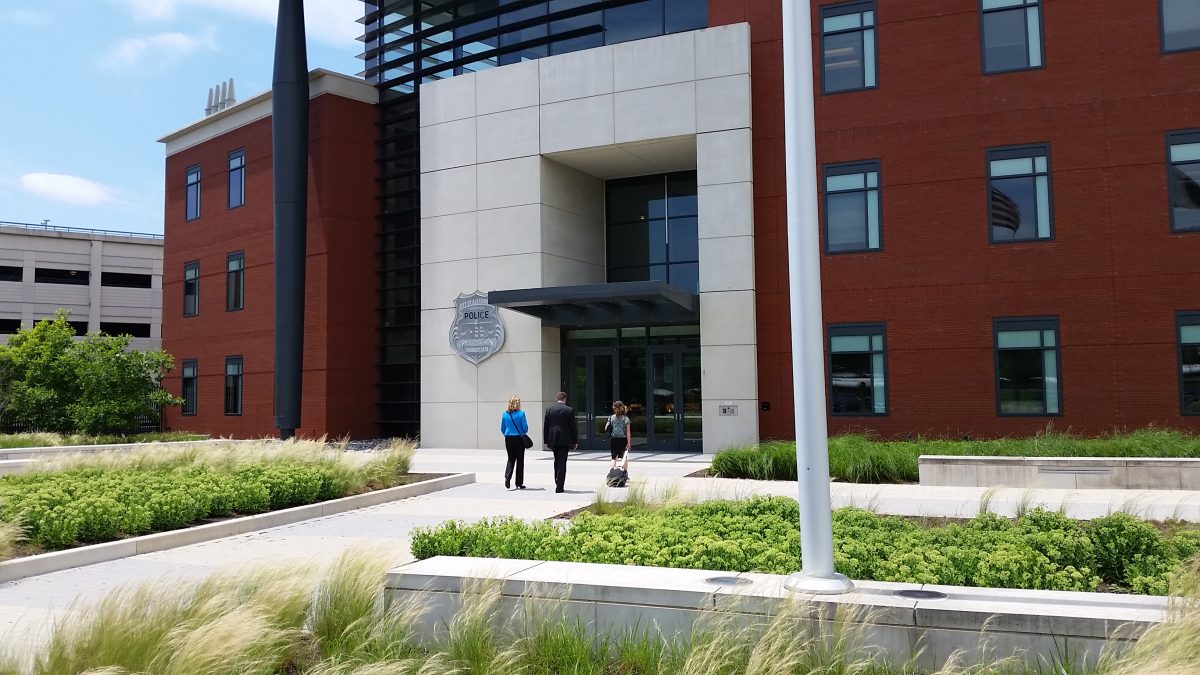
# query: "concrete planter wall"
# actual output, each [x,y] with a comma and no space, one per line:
[1038,626]
[1061,472]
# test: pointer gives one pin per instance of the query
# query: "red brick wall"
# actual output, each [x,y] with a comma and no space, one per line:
[339,395]
[1114,274]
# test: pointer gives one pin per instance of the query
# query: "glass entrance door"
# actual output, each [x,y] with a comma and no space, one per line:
[591,383]
[676,415]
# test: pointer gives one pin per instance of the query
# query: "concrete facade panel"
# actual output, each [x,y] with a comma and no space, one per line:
[508,88]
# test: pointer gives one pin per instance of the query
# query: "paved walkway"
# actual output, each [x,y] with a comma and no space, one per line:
[28,606]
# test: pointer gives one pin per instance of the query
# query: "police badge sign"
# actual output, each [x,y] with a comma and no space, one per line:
[477,331]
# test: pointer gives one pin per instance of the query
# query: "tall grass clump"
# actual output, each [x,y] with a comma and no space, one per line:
[47,439]
[860,459]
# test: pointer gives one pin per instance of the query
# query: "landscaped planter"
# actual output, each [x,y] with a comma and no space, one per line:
[1120,473]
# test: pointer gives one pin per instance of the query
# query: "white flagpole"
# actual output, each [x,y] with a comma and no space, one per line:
[804,284]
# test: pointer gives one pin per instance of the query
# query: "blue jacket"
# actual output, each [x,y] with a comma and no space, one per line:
[507,426]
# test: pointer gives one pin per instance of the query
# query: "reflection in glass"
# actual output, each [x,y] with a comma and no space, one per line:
[662,388]
[1027,369]
[652,229]
[693,411]
[1185,181]
[602,397]
[1019,200]
[1012,36]
[843,61]
[857,384]
[1181,24]
[632,388]
[1190,378]
[634,21]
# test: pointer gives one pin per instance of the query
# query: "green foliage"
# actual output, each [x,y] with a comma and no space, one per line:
[46,439]
[97,385]
[859,459]
[1040,550]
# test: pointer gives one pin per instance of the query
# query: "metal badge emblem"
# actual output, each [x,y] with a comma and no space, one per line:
[477,331]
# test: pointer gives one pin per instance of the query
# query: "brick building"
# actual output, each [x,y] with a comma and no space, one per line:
[1010,209]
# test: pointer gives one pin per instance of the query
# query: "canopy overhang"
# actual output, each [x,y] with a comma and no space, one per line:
[628,303]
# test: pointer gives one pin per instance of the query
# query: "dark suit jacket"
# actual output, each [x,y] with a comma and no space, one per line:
[559,429]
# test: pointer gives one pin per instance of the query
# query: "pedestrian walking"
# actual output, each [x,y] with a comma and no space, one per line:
[619,442]
[560,434]
[515,428]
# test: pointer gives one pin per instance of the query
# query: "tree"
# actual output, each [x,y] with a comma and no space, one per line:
[98,385]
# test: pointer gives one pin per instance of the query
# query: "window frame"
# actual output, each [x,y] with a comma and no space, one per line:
[1029,150]
[239,256]
[187,190]
[240,153]
[241,379]
[183,366]
[845,169]
[1179,137]
[870,329]
[1025,5]
[1183,318]
[1038,323]
[843,9]
[1162,33]
[191,265]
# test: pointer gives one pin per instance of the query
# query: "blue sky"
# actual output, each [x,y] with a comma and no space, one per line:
[88,87]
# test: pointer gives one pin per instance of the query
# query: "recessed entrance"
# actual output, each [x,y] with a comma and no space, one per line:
[654,370]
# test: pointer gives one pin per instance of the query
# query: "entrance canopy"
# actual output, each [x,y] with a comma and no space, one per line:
[624,303]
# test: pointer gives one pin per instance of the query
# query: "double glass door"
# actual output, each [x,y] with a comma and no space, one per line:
[660,386]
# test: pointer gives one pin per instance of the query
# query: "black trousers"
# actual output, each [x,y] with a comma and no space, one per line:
[516,459]
[560,464]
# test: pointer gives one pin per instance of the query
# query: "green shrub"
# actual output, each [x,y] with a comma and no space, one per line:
[1119,538]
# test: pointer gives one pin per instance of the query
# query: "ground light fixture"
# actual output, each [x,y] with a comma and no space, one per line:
[816,573]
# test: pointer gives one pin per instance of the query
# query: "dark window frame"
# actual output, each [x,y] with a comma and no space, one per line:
[76,277]
[1041,37]
[845,169]
[857,330]
[116,328]
[240,272]
[6,274]
[187,193]
[1180,137]
[1162,34]
[191,265]
[1183,318]
[1029,150]
[6,323]
[239,384]
[855,7]
[1038,323]
[240,170]
[126,280]
[183,392]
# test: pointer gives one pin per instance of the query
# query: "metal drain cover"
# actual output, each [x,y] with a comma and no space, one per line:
[921,595]
[728,581]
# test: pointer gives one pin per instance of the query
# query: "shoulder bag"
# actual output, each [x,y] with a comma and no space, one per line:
[525,439]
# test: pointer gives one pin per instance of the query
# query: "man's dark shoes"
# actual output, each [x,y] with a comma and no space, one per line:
[559,490]
[520,487]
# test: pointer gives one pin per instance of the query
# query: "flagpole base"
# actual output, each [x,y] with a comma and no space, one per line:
[833,585]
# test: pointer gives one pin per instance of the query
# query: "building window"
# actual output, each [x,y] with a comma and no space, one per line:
[1183,179]
[191,289]
[45,275]
[80,327]
[852,207]
[137,330]
[189,388]
[1180,25]
[235,270]
[848,47]
[10,273]
[1027,372]
[652,229]
[9,326]
[193,194]
[125,280]
[856,370]
[237,178]
[233,385]
[1189,361]
[1012,35]
[1019,193]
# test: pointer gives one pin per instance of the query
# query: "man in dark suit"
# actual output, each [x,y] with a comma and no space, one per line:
[560,433]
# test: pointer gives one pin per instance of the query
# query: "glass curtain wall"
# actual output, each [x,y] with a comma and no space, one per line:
[652,229]
[412,42]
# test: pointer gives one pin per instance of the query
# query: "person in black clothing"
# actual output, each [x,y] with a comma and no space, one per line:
[560,436]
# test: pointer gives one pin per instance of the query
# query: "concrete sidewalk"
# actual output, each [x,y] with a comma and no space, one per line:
[28,606]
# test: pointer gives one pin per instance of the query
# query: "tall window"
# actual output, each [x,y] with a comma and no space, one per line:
[189,387]
[1027,372]
[1183,177]
[1189,361]
[191,289]
[235,270]
[233,385]
[852,207]
[1180,25]
[193,193]
[237,178]
[652,229]
[848,47]
[856,370]
[1012,35]
[1019,193]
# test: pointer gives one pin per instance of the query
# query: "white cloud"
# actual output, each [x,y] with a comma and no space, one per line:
[67,189]
[332,21]
[159,49]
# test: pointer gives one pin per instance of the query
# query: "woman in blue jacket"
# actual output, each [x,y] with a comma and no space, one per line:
[514,426]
